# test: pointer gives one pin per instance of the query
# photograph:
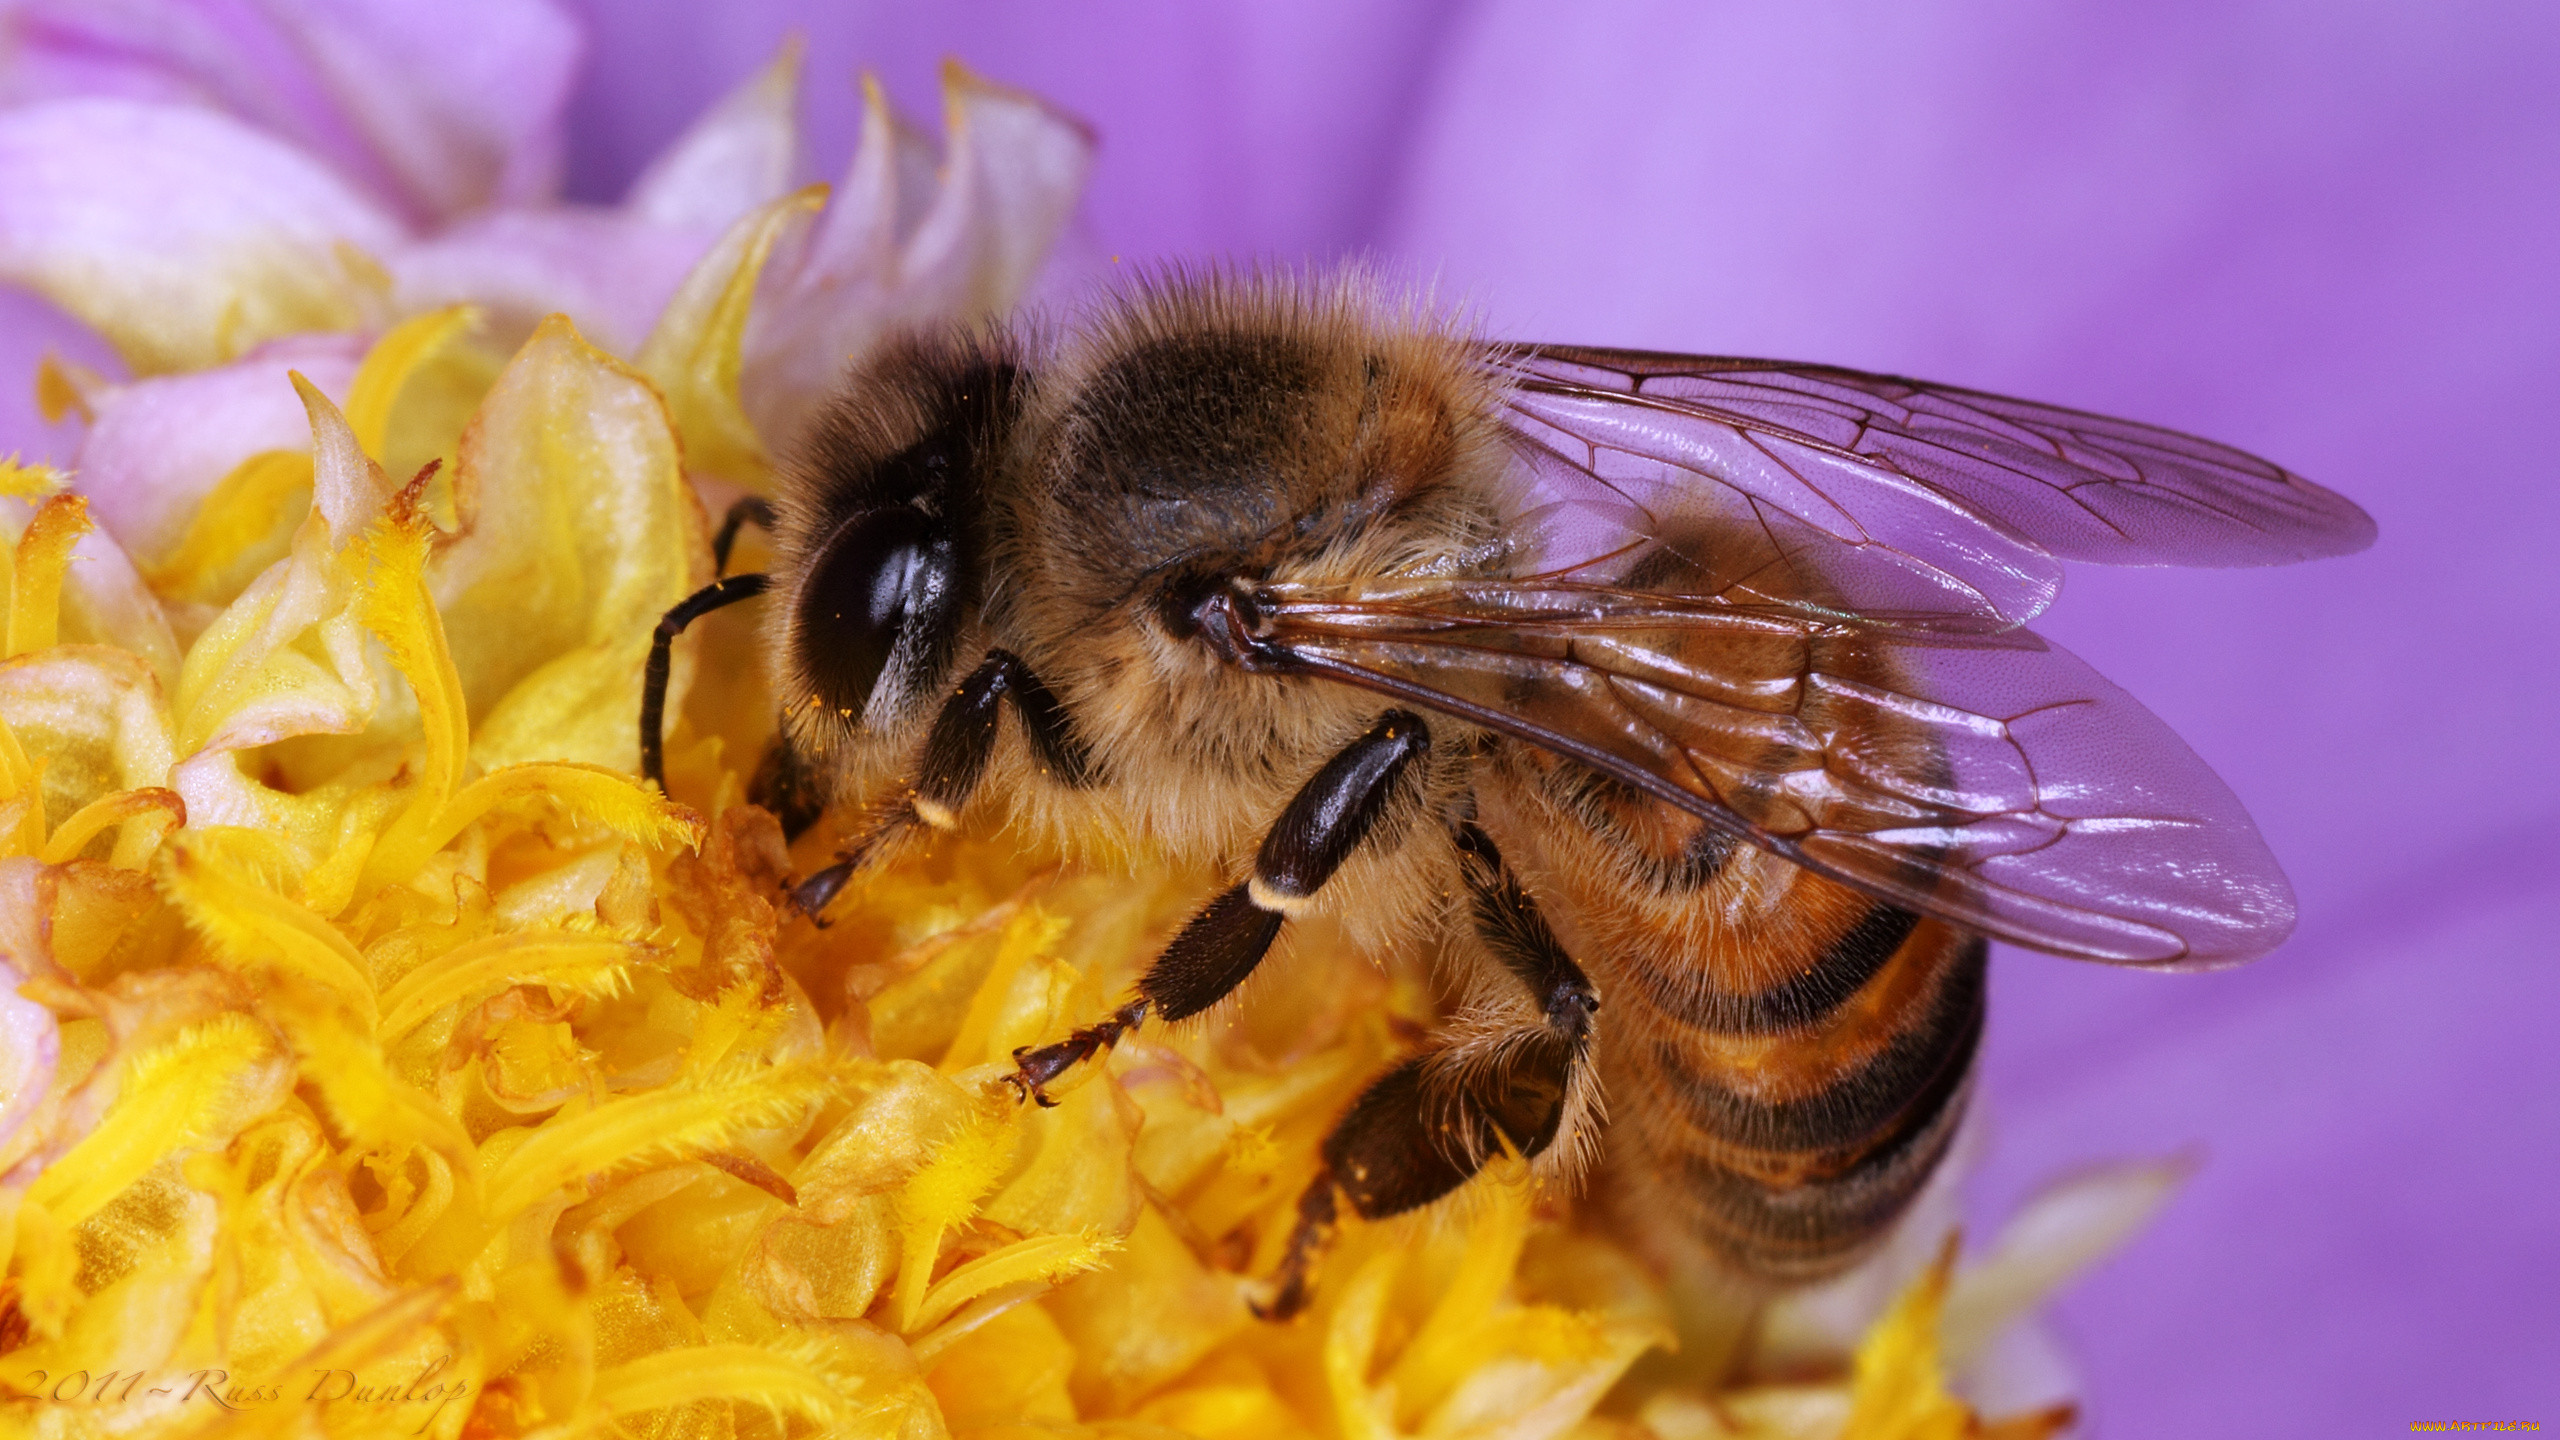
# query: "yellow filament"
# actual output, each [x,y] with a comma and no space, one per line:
[257,501]
[1047,1259]
[942,1194]
[161,807]
[388,366]
[250,924]
[659,1125]
[35,590]
[587,963]
[172,1099]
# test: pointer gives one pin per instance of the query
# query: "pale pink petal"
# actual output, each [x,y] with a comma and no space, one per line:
[608,273]
[159,445]
[886,254]
[1011,179]
[2061,1231]
[31,328]
[243,238]
[29,1048]
[739,155]
[436,110]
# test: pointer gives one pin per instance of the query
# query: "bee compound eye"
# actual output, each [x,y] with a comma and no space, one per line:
[880,578]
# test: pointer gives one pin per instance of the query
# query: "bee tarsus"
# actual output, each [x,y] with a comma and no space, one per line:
[1035,1068]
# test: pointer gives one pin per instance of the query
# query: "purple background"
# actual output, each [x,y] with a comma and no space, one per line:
[2324,231]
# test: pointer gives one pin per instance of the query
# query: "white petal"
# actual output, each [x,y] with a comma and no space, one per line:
[739,155]
[2062,1231]
[183,236]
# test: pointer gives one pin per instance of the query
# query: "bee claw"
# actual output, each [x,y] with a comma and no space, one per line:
[1033,1069]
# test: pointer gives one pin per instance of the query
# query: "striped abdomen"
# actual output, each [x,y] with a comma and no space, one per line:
[1784,1059]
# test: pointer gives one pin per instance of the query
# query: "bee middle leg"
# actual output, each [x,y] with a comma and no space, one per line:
[1326,821]
[1425,1127]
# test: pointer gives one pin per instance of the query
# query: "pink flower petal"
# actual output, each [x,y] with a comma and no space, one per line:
[436,110]
[30,329]
[159,445]
[903,244]
[1015,169]
[610,274]
[242,238]
[740,154]
[29,1048]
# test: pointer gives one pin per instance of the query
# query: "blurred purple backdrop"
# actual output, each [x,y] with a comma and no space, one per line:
[2327,232]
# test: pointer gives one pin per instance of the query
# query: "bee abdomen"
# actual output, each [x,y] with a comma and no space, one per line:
[1789,1148]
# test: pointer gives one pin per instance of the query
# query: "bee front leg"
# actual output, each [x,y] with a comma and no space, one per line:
[1323,824]
[1425,1127]
[956,752]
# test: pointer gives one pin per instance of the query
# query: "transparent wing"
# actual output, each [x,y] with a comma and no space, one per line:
[1889,497]
[1988,778]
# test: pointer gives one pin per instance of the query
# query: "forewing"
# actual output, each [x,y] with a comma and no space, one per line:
[1936,498]
[1990,779]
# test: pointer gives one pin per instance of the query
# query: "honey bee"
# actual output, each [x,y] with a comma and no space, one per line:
[1698,684]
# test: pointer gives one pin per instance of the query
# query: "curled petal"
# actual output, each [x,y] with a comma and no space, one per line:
[248,680]
[577,532]
[694,353]
[161,446]
[147,816]
[960,247]
[1009,181]
[35,581]
[95,714]
[740,154]
[246,238]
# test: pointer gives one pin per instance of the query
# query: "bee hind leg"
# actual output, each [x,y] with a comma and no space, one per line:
[1504,1079]
[1422,1130]
[1329,817]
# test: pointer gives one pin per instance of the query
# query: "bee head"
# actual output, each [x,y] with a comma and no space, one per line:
[882,545]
